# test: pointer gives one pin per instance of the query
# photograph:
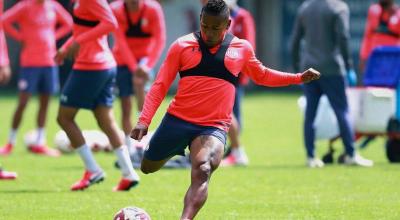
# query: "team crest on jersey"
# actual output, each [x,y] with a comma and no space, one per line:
[51,15]
[145,22]
[232,53]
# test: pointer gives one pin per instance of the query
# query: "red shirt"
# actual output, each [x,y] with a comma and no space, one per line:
[37,30]
[372,38]
[129,51]
[94,52]
[205,100]
[3,44]
[243,27]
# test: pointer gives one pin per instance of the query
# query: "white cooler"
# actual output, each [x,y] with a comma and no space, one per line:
[370,110]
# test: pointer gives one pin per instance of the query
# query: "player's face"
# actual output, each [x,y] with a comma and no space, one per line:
[213,28]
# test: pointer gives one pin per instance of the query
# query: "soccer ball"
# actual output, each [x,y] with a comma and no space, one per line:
[132,213]
[62,142]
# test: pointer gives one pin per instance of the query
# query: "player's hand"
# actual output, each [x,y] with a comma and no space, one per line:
[60,57]
[351,78]
[310,75]
[5,74]
[73,50]
[142,73]
[139,131]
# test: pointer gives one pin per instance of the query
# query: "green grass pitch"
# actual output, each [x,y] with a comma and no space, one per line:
[276,184]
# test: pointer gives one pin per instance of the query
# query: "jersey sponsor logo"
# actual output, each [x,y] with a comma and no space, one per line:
[145,22]
[232,53]
[63,98]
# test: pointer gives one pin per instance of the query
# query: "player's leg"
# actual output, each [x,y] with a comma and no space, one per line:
[73,97]
[237,155]
[206,153]
[27,85]
[313,93]
[49,85]
[108,125]
[106,121]
[125,90]
[139,85]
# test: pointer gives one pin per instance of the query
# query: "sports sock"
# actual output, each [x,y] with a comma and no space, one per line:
[12,137]
[125,163]
[41,136]
[88,159]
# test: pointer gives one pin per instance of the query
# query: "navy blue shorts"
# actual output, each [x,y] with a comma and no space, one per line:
[89,88]
[174,135]
[43,80]
[124,81]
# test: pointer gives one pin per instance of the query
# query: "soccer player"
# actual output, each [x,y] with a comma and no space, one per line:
[140,40]
[324,27]
[209,62]
[89,86]
[382,28]
[40,24]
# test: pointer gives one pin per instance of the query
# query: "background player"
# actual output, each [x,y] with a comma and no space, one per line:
[40,24]
[140,40]
[89,86]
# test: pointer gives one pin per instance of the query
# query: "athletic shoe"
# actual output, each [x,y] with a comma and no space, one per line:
[6,149]
[237,157]
[358,160]
[125,185]
[88,179]
[44,150]
[7,175]
[314,163]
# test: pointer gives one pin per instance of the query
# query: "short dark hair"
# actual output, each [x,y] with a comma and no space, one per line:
[216,8]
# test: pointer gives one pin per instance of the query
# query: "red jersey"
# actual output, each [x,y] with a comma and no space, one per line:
[93,20]
[3,44]
[382,29]
[38,31]
[203,100]
[145,46]
[243,27]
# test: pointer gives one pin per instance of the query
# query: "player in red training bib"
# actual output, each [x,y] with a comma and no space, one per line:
[90,86]
[40,24]
[140,40]
[209,62]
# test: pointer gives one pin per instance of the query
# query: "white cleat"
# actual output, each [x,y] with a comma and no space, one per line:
[314,163]
[358,160]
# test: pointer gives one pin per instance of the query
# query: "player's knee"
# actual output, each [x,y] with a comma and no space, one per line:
[60,120]
[203,170]
[147,169]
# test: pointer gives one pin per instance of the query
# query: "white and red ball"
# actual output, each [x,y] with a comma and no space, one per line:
[132,213]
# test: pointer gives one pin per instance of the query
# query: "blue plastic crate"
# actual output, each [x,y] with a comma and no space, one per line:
[383,68]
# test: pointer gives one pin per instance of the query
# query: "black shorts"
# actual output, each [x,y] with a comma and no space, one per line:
[174,135]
